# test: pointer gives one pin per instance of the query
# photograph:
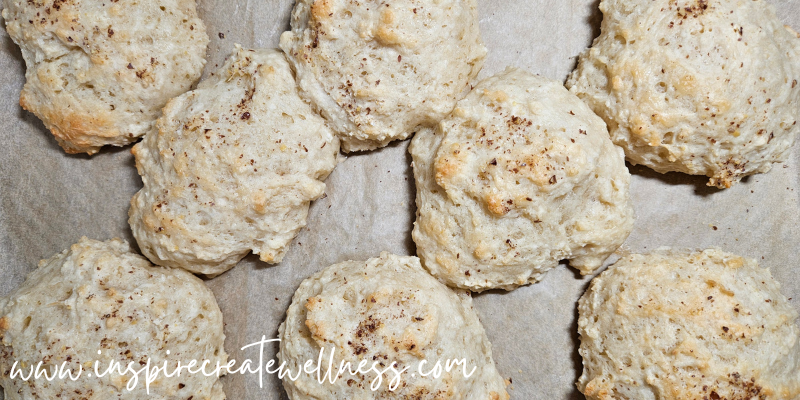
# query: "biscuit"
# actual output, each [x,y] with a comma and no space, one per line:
[99,296]
[232,168]
[520,176]
[379,70]
[387,309]
[99,72]
[688,325]
[704,87]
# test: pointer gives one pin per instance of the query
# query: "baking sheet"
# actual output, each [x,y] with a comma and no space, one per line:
[49,199]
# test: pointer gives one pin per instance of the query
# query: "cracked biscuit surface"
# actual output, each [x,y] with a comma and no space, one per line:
[688,325]
[100,296]
[232,168]
[378,70]
[519,177]
[390,310]
[99,72]
[704,87]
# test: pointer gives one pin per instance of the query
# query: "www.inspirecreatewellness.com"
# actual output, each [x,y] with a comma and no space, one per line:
[324,368]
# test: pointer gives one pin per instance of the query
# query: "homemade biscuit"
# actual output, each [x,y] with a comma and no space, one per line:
[232,168]
[383,311]
[379,70]
[520,176]
[688,325]
[704,87]
[98,71]
[101,297]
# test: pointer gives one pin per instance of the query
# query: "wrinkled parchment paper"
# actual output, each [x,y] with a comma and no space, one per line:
[49,199]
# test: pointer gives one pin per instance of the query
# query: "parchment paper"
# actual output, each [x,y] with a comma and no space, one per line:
[48,200]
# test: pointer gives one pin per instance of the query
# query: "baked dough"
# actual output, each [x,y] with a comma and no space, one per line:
[688,325]
[378,70]
[99,296]
[704,87]
[520,176]
[387,309]
[232,168]
[99,71]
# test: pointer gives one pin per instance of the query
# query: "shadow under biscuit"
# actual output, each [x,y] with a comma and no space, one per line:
[678,179]
[595,19]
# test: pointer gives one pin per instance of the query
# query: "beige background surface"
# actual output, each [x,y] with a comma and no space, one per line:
[48,200]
